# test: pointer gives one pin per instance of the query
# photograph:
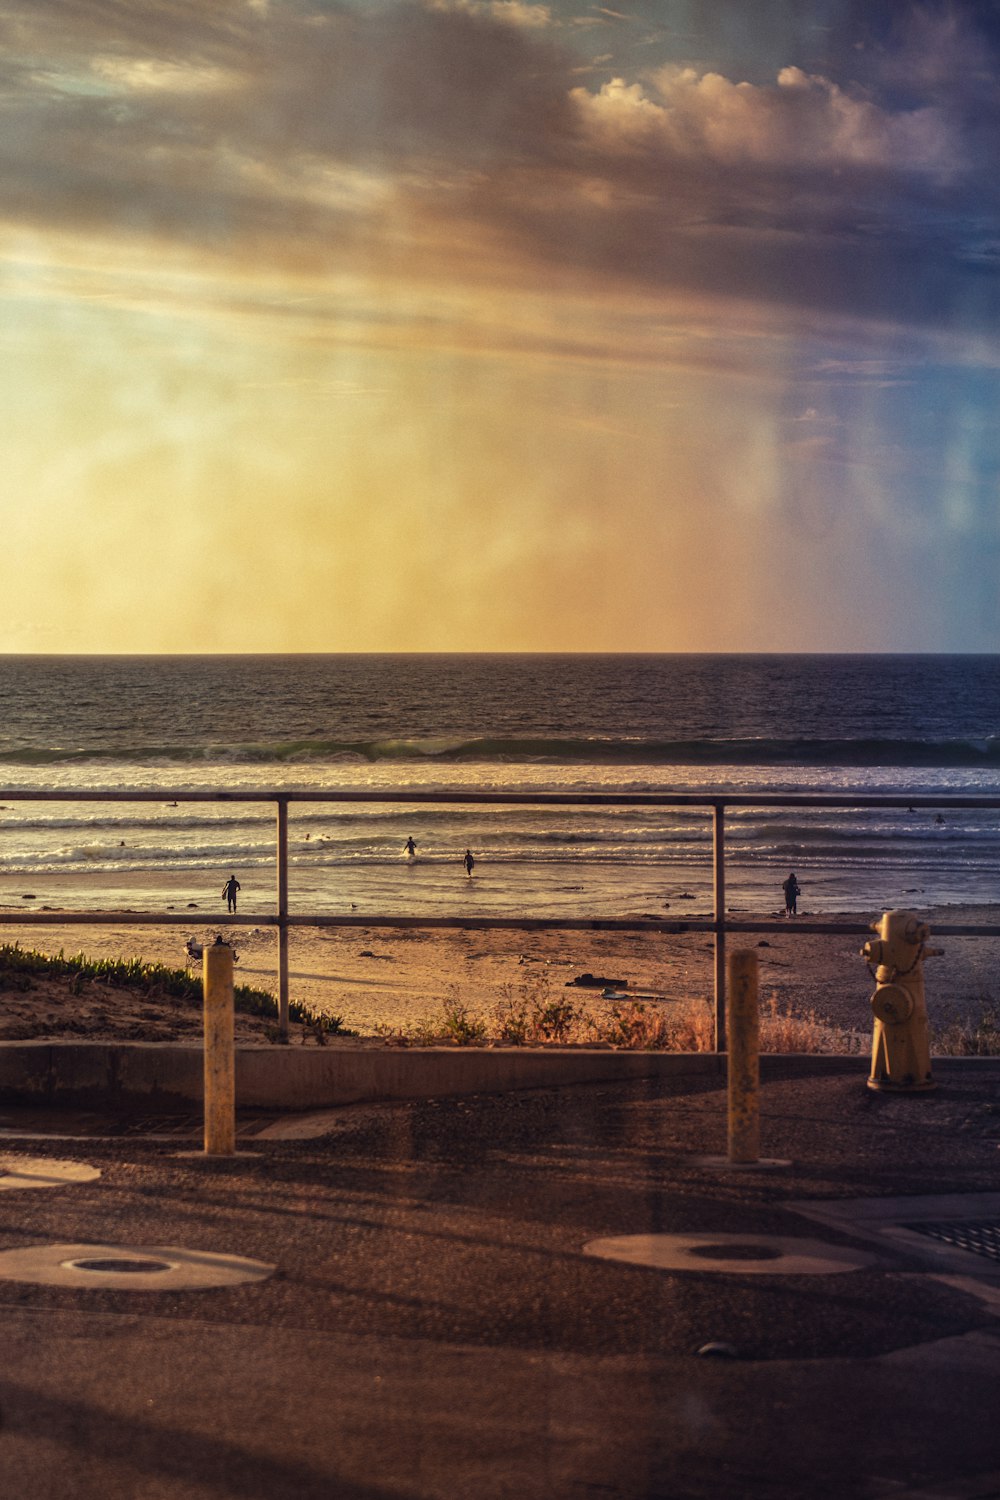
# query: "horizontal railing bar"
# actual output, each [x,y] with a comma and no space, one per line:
[669,926]
[718,925]
[195,919]
[517,799]
[943,929]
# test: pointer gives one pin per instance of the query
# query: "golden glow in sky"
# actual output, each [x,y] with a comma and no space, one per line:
[498,326]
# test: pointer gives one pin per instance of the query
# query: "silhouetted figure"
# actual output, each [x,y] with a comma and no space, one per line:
[469,862]
[791,889]
[410,848]
[229,890]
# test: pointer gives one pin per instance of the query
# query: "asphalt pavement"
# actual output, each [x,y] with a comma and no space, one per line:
[438,1323]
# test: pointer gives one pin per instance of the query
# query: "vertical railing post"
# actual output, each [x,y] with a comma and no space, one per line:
[719,915]
[282,833]
[220,1049]
[744,1060]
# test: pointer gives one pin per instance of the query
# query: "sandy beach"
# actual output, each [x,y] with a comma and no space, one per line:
[384,982]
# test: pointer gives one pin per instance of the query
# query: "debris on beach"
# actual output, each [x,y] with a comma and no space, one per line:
[597,982]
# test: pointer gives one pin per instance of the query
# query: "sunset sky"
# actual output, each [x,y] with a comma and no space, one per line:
[471,325]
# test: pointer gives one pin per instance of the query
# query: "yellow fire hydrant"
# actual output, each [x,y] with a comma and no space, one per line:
[901,1044]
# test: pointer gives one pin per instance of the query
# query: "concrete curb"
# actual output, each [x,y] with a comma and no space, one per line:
[167,1076]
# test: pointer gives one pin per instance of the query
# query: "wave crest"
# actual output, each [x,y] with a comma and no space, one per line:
[588,750]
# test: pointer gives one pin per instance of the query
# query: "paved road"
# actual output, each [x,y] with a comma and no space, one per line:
[435,1329]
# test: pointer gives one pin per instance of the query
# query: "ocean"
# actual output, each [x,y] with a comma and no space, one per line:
[900,725]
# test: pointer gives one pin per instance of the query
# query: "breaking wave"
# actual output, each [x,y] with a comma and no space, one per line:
[594,750]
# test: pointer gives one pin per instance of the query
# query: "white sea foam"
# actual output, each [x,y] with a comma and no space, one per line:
[567,725]
[622,859]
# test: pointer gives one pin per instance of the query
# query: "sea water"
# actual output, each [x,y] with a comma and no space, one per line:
[914,726]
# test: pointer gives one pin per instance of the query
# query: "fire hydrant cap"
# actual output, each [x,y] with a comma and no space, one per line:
[891,1004]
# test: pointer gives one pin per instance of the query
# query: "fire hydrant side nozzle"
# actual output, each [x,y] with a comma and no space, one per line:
[901,1052]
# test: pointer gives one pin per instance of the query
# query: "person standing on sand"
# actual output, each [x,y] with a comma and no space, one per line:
[469,862]
[229,890]
[791,889]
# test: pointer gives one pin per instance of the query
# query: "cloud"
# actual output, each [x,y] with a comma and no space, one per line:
[153,75]
[936,51]
[803,121]
[511,12]
[453,141]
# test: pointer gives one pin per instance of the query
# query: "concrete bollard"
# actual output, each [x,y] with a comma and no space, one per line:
[220,1050]
[743,1036]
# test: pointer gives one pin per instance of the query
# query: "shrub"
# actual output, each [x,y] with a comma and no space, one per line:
[460,1026]
[635,1026]
[19,966]
[531,1015]
[975,1038]
[782,1030]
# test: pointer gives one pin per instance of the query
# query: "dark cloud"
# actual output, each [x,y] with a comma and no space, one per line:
[416,137]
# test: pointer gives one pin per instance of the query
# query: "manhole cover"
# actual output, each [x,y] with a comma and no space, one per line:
[159,1268]
[737,1254]
[130,1267]
[979,1238]
[42,1172]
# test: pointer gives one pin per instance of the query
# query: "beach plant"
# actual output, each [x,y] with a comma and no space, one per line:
[422,1033]
[784,1030]
[634,1026]
[333,1025]
[21,967]
[459,1025]
[511,1019]
[555,1020]
[967,1037]
[530,1017]
[685,1025]
[531,1014]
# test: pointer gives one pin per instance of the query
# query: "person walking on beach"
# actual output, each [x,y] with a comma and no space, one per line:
[229,890]
[410,848]
[469,862]
[791,889]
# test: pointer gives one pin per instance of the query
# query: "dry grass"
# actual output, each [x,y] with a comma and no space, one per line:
[782,1030]
[970,1038]
[532,1016]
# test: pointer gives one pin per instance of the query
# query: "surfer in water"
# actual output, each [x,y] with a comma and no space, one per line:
[469,862]
[410,849]
[791,889]
[229,890]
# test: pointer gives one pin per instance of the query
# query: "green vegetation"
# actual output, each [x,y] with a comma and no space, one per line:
[21,967]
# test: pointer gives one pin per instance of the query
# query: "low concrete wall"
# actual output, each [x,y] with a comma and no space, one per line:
[161,1076]
[307,1080]
[164,1076]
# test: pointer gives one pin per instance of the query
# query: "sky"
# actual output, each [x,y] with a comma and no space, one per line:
[486,325]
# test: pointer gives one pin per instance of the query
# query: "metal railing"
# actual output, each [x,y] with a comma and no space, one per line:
[719,925]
